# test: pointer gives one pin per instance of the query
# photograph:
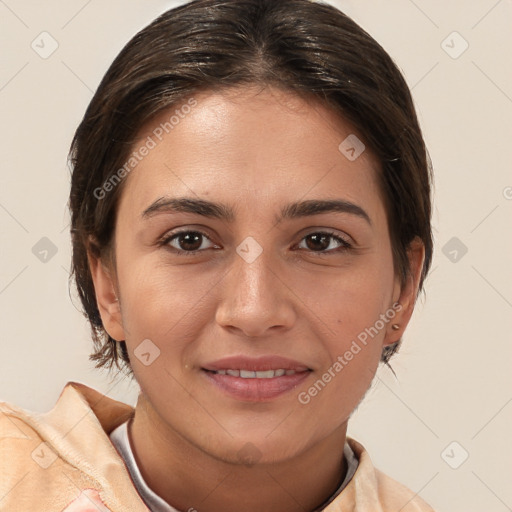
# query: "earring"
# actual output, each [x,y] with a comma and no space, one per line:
[395,327]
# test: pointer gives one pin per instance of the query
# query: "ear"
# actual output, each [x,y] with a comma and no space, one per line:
[405,293]
[106,297]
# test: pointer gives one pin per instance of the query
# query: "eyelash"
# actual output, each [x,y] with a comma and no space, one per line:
[344,245]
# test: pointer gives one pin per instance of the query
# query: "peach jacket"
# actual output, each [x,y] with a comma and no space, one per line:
[64,461]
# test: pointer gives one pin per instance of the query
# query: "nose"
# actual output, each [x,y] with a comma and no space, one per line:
[256,301]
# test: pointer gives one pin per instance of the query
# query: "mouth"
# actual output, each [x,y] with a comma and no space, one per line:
[256,380]
[262,374]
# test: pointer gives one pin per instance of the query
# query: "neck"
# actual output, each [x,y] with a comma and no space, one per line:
[188,478]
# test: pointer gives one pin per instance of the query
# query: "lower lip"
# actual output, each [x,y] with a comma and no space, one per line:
[256,390]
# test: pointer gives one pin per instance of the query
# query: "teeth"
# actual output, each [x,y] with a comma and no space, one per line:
[265,375]
[246,374]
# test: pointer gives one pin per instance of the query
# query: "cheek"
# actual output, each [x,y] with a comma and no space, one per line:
[162,302]
[355,326]
[352,307]
[350,298]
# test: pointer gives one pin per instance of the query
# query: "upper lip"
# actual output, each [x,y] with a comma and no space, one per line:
[255,364]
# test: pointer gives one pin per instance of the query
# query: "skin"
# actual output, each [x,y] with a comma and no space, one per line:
[254,150]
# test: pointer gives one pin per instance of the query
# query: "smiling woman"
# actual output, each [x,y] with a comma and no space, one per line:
[250,208]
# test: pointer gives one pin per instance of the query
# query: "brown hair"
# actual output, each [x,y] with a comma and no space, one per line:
[303,46]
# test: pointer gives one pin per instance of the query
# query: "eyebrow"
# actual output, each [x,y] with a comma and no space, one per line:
[226,213]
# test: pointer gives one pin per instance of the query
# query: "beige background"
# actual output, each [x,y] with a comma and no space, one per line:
[454,377]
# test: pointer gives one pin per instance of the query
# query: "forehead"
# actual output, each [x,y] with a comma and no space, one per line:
[267,143]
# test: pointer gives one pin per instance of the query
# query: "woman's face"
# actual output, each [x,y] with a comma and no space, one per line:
[248,241]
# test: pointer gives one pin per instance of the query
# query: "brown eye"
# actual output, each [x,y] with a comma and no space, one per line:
[187,241]
[320,242]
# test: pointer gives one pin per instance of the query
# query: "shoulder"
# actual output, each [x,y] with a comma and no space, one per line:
[17,437]
[396,496]
[63,459]
[34,474]
[372,488]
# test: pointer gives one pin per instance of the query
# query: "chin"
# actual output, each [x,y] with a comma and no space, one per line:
[265,447]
